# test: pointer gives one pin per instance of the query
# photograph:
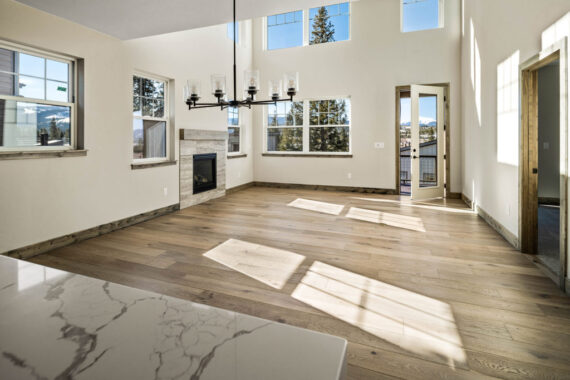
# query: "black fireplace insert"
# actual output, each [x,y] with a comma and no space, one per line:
[204,172]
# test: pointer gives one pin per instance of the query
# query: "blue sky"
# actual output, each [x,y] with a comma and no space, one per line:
[427,109]
[286,30]
[420,15]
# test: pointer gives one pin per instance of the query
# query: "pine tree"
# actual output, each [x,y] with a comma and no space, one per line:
[323,28]
[54,132]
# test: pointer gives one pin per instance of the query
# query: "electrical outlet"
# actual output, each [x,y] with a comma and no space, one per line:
[349,175]
[165,190]
[379,145]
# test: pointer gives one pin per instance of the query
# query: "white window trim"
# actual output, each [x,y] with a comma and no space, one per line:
[241,129]
[72,80]
[166,118]
[440,20]
[306,29]
[306,126]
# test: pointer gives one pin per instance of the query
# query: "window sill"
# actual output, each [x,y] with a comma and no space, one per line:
[341,155]
[19,155]
[146,165]
[231,156]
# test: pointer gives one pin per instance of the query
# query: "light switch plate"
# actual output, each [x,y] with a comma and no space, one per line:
[379,145]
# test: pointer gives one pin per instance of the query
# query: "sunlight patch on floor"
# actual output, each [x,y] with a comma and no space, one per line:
[379,217]
[416,323]
[419,205]
[307,204]
[271,266]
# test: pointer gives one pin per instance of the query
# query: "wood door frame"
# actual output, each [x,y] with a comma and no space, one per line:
[528,152]
[446,121]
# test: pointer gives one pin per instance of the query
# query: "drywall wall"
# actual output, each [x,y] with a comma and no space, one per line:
[42,199]
[549,131]
[196,54]
[368,67]
[494,41]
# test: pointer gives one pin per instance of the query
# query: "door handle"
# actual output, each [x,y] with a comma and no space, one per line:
[414,156]
[534,170]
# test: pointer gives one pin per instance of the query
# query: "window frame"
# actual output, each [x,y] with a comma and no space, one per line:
[166,118]
[239,126]
[306,25]
[72,88]
[440,18]
[306,130]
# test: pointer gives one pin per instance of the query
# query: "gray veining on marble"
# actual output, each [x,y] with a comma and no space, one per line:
[58,325]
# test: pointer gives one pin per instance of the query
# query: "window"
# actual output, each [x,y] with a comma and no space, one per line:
[285,30]
[234,145]
[310,126]
[285,127]
[329,122]
[37,108]
[329,24]
[421,15]
[150,121]
[231,31]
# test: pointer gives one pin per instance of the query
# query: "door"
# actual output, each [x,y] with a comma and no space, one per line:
[427,142]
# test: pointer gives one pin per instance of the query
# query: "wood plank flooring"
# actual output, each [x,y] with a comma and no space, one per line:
[421,290]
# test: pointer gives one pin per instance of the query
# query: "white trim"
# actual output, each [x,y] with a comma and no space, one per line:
[306,25]
[165,118]
[440,18]
[306,129]
[71,93]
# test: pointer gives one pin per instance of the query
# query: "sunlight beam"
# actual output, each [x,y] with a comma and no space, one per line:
[416,323]
[326,208]
[271,266]
[393,220]
[508,110]
[416,205]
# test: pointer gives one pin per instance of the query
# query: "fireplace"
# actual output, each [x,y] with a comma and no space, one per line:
[204,172]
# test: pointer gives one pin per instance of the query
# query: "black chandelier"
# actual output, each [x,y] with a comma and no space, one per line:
[290,85]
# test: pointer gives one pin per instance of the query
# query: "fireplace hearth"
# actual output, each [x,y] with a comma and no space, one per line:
[204,172]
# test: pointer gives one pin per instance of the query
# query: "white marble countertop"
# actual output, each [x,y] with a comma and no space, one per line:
[59,325]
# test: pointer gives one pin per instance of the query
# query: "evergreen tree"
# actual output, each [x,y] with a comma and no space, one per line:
[54,132]
[323,28]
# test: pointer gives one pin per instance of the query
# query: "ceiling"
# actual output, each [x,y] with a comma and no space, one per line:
[127,19]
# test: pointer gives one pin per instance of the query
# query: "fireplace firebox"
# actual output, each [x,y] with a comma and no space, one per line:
[204,172]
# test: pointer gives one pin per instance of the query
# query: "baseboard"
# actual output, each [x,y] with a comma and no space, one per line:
[467,201]
[48,245]
[450,195]
[567,286]
[502,230]
[240,187]
[350,189]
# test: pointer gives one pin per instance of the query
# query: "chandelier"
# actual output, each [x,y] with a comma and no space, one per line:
[289,84]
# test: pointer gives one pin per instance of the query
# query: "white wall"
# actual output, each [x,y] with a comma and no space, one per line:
[42,199]
[549,131]
[377,58]
[501,29]
[196,54]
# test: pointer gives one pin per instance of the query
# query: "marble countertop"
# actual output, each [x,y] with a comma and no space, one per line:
[59,325]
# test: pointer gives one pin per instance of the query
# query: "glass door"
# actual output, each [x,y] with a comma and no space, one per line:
[427,146]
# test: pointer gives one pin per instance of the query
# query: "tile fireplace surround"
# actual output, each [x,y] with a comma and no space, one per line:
[200,141]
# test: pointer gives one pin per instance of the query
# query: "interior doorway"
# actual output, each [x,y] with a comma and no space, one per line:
[422,143]
[543,161]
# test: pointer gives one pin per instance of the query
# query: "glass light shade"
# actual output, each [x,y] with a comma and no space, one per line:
[186,92]
[275,88]
[218,84]
[251,80]
[291,82]
[194,87]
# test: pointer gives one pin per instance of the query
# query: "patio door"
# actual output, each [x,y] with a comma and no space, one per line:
[428,142]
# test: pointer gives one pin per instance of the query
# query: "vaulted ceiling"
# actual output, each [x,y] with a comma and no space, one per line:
[127,19]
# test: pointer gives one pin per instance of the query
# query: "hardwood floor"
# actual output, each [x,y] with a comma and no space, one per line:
[421,290]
